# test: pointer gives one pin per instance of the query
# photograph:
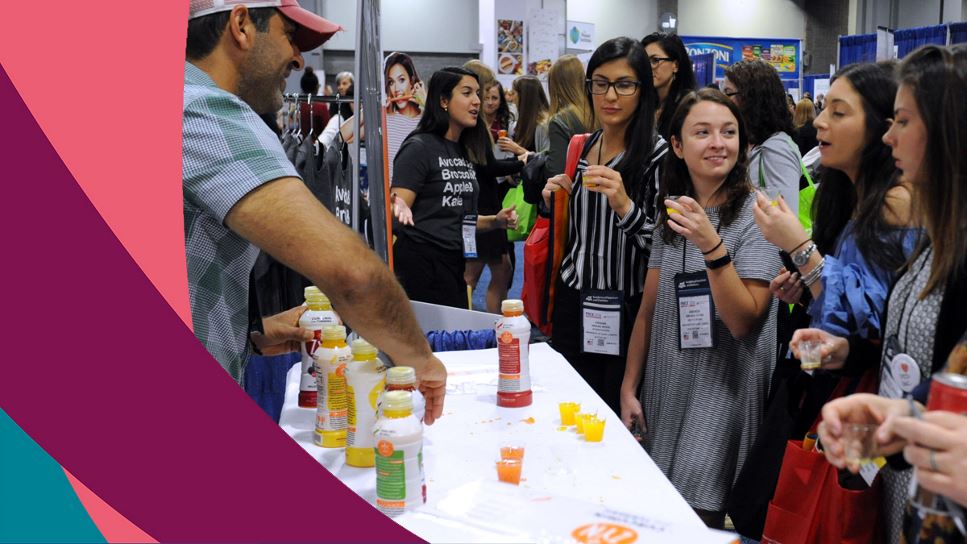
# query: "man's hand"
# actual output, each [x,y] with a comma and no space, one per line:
[282,332]
[432,378]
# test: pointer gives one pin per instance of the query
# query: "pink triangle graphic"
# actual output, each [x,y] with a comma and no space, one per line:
[114,526]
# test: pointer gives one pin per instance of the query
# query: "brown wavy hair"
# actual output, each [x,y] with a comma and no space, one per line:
[763,99]
[532,109]
[675,179]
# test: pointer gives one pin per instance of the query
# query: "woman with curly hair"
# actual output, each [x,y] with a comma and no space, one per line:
[774,159]
[672,71]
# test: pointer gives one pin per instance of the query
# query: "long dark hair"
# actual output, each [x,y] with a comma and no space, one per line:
[436,120]
[682,82]
[762,99]
[503,115]
[532,110]
[938,78]
[838,199]
[639,136]
[676,180]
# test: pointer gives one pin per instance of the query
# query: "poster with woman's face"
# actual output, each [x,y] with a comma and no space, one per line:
[404,97]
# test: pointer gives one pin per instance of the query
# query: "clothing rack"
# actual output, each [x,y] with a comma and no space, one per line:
[298,97]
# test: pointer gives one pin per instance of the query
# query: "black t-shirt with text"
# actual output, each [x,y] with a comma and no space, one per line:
[446,188]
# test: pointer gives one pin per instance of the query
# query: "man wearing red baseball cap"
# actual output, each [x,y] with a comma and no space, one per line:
[242,194]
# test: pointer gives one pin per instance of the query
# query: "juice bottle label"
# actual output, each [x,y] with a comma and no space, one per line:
[400,482]
[508,350]
[336,402]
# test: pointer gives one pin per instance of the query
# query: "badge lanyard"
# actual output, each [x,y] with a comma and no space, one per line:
[901,372]
[469,222]
[602,315]
[696,307]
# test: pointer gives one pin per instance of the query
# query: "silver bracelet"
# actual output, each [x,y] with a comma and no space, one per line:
[815,273]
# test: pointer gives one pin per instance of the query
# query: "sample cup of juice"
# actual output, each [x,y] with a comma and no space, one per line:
[512,452]
[669,209]
[594,429]
[810,355]
[568,410]
[858,444]
[508,470]
[581,419]
[501,133]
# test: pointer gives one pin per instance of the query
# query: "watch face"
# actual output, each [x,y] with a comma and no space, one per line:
[802,257]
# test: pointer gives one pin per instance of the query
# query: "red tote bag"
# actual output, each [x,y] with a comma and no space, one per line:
[544,248]
[810,506]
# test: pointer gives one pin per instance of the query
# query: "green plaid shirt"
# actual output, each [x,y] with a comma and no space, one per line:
[227,151]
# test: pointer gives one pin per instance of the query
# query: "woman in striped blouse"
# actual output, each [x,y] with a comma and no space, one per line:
[612,215]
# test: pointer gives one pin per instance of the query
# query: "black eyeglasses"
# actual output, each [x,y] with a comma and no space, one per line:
[655,61]
[730,94]
[624,87]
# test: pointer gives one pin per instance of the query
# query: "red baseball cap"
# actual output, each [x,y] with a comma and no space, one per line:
[313,30]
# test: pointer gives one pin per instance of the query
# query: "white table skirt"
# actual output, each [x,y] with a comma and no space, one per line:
[461,447]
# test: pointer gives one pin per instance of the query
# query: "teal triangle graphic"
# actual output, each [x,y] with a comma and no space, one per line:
[37,502]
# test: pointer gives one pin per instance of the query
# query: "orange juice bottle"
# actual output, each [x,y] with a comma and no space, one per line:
[513,334]
[403,378]
[318,315]
[365,379]
[400,482]
[333,406]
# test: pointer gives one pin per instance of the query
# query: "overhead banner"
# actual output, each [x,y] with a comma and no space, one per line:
[783,54]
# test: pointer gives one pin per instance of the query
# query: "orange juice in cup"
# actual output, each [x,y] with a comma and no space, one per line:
[501,133]
[568,410]
[594,429]
[669,209]
[512,452]
[508,470]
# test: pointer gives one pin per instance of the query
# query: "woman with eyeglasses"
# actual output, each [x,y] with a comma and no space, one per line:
[774,160]
[672,71]
[612,215]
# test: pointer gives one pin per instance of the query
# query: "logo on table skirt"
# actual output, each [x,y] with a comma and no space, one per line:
[604,533]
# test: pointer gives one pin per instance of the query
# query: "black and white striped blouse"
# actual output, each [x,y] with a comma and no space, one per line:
[603,250]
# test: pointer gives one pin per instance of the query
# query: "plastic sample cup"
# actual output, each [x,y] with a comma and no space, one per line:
[568,410]
[670,210]
[512,452]
[594,429]
[858,442]
[501,133]
[508,470]
[579,418]
[810,356]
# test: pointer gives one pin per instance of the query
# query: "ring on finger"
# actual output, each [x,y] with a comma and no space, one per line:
[933,461]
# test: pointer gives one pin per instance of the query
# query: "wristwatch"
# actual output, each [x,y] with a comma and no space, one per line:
[800,258]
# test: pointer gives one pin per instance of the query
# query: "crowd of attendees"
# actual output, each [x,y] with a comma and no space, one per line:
[690,212]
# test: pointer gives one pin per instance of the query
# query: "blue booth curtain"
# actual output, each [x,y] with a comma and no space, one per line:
[704,68]
[857,48]
[809,83]
[909,39]
[958,32]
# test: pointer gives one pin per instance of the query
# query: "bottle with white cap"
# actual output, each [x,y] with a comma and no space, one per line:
[403,378]
[365,380]
[400,482]
[318,315]
[333,410]
[513,335]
